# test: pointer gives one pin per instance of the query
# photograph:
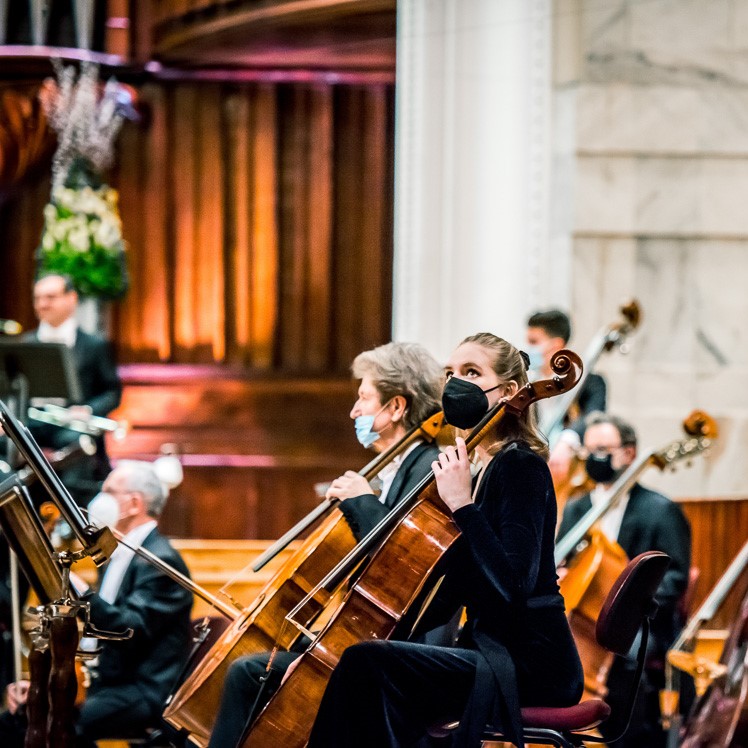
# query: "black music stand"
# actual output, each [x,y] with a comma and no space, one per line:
[32,369]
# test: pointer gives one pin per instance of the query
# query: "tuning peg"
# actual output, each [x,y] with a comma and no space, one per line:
[624,348]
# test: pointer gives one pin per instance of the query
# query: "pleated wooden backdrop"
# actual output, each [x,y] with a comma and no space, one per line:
[259,223]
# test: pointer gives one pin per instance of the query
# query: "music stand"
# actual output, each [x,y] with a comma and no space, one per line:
[48,368]
[29,369]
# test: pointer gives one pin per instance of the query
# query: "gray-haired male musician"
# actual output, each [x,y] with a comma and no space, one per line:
[644,520]
[133,678]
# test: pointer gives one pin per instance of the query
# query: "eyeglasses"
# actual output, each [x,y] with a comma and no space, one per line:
[603,451]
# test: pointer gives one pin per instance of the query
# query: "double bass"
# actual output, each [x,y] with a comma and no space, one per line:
[610,337]
[719,718]
[593,561]
[261,626]
[382,601]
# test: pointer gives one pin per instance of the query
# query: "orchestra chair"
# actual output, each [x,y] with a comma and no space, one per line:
[628,609]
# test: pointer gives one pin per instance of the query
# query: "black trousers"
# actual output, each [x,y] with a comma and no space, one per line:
[114,712]
[386,694]
[240,690]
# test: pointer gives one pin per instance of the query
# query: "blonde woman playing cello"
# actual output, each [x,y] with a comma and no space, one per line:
[400,387]
[516,648]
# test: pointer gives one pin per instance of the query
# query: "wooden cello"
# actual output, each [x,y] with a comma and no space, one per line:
[261,627]
[419,531]
[720,717]
[612,336]
[593,561]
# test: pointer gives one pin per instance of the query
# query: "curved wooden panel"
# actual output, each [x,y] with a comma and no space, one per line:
[339,34]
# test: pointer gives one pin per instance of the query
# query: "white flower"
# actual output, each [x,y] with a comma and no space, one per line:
[78,239]
[48,242]
[50,213]
[107,234]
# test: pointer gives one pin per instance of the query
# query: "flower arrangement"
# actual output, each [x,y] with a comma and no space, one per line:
[82,235]
[83,239]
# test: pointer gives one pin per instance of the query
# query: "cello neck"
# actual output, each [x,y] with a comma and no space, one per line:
[428,430]
[565,547]
[714,599]
[700,430]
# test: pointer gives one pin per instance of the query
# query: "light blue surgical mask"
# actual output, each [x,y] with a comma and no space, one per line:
[364,428]
[535,354]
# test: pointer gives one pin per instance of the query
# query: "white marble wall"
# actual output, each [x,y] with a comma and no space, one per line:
[651,142]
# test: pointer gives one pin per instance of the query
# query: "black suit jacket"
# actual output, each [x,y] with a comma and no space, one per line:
[94,361]
[158,611]
[364,512]
[651,522]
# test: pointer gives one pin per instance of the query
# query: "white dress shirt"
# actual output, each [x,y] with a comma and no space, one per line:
[388,472]
[64,333]
[610,522]
[119,561]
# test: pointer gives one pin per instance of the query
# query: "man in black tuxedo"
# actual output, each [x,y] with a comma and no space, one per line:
[55,302]
[130,679]
[547,332]
[400,387]
[644,520]
[133,678]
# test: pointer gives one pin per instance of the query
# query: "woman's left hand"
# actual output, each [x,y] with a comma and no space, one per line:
[452,472]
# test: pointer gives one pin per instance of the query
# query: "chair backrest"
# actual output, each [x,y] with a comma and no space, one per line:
[630,601]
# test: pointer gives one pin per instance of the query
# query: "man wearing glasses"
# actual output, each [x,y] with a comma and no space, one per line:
[642,520]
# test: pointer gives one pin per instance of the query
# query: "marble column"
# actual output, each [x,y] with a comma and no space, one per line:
[472,248]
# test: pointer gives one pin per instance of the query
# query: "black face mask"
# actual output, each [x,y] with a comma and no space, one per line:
[600,469]
[464,403]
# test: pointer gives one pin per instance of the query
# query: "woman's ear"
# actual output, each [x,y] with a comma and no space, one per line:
[400,405]
[511,389]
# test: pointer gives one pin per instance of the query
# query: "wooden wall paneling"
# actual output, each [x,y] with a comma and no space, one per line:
[293,204]
[184,144]
[21,224]
[374,237]
[155,292]
[129,311]
[350,286]
[719,528]
[209,289]
[264,280]
[319,223]
[238,216]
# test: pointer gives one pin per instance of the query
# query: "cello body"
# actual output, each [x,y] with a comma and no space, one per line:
[372,609]
[589,578]
[261,627]
[384,601]
[720,717]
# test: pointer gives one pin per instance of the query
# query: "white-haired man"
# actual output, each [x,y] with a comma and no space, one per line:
[131,678]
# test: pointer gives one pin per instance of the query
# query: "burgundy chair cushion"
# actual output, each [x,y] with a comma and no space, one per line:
[583,716]
[580,717]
